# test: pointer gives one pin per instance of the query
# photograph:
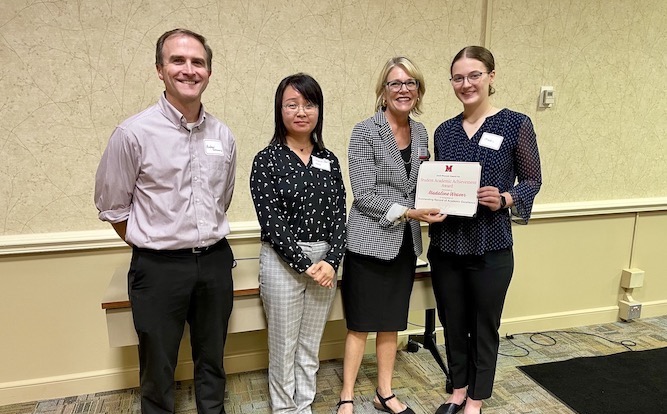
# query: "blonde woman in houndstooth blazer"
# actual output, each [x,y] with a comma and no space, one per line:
[384,236]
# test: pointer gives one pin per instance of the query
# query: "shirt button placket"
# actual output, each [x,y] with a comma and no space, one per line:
[195,170]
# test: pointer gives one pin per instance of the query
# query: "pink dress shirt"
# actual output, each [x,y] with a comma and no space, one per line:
[173,184]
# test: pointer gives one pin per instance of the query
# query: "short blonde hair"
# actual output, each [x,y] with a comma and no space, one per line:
[411,69]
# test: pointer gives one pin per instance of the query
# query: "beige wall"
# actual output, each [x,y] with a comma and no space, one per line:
[72,70]
[604,139]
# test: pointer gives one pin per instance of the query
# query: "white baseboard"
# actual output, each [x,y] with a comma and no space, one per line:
[68,385]
[559,320]
[564,320]
[654,309]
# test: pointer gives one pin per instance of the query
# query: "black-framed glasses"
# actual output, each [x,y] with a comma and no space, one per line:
[396,85]
[293,108]
[473,78]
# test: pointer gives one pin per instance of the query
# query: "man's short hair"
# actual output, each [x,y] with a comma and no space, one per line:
[184,32]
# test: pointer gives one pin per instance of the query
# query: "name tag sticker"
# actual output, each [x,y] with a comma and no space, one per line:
[423,153]
[490,140]
[213,147]
[321,163]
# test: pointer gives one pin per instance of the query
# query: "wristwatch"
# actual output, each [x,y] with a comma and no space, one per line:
[503,202]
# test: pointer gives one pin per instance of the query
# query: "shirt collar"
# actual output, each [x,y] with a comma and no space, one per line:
[175,116]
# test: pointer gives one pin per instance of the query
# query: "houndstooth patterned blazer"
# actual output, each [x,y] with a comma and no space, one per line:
[379,180]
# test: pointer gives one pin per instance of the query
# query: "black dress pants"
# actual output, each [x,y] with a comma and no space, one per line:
[166,289]
[470,293]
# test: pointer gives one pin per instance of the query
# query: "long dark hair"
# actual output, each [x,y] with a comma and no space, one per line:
[308,87]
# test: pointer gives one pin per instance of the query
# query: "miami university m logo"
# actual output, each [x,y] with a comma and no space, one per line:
[448,168]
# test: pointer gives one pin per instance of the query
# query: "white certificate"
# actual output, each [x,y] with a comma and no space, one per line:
[450,186]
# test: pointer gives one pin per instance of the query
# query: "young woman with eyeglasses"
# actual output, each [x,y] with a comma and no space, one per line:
[299,196]
[471,258]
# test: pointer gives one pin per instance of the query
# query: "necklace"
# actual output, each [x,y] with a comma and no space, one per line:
[295,148]
[403,151]
[480,118]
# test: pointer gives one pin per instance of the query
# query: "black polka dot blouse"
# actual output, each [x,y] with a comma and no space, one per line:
[296,202]
[514,167]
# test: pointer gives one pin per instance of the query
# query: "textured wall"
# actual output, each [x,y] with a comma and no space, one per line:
[73,69]
[606,137]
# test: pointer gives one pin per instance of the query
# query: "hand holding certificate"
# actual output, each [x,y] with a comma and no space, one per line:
[450,186]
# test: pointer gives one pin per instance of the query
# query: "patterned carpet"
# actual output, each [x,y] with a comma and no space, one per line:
[418,380]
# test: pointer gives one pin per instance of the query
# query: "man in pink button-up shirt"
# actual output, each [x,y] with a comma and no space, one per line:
[165,183]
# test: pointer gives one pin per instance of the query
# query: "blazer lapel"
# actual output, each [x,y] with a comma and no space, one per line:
[387,136]
[414,170]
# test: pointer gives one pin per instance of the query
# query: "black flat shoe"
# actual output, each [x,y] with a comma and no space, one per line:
[450,408]
[341,402]
[382,406]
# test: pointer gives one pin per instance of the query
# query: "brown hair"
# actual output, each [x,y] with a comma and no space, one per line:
[478,53]
[184,32]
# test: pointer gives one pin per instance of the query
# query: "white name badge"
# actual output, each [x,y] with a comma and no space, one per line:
[321,163]
[490,140]
[213,147]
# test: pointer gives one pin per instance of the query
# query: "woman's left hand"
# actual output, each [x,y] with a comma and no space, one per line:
[323,273]
[490,197]
[427,215]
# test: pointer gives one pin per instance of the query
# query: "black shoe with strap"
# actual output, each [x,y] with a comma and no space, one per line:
[341,402]
[450,408]
[382,406]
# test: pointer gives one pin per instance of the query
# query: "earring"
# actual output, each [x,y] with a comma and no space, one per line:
[384,103]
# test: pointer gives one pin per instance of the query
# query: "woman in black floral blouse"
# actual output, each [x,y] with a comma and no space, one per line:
[298,192]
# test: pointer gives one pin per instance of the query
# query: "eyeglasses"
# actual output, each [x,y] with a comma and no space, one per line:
[473,78]
[396,85]
[292,108]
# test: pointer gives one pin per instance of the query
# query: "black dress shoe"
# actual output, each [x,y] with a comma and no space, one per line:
[382,405]
[450,408]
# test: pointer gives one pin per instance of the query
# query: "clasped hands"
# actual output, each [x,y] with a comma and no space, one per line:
[323,273]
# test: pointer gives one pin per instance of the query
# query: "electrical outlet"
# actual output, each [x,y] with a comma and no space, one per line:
[547,97]
[629,310]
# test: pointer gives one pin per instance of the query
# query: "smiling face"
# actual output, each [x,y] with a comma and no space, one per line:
[184,71]
[299,124]
[476,93]
[402,102]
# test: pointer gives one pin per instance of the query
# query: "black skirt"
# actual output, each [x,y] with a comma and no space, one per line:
[376,293]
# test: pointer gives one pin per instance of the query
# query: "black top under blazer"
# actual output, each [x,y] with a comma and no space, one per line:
[379,179]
